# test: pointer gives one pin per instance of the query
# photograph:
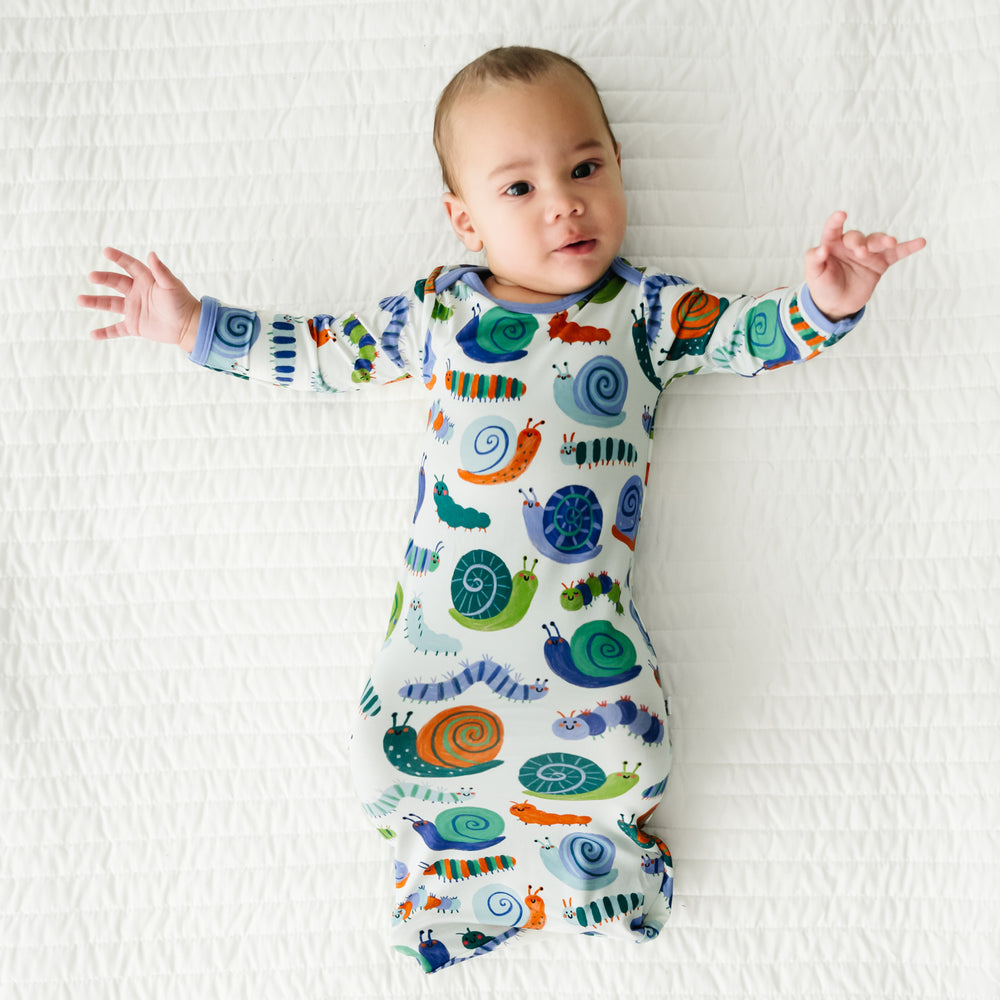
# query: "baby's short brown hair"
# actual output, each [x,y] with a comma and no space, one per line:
[521,63]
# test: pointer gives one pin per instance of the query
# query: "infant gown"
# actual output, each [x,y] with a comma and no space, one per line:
[512,738]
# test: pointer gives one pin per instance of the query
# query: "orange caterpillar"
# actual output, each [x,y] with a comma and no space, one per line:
[561,328]
[527,813]
[528,442]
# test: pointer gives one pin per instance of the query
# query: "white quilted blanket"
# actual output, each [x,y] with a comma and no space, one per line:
[196,571]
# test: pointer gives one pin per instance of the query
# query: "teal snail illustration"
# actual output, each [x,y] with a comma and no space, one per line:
[486,596]
[583,593]
[458,741]
[567,528]
[423,638]
[596,394]
[626,525]
[497,335]
[597,655]
[462,828]
[497,678]
[559,775]
[493,453]
[637,720]
[582,860]
[454,514]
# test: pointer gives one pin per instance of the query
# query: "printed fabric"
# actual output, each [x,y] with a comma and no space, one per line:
[512,740]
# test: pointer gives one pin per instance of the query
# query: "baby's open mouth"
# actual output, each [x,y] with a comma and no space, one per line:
[578,246]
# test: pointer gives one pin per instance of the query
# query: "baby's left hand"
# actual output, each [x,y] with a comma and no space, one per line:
[844,269]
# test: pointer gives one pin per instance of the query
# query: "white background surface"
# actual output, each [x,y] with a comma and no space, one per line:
[196,572]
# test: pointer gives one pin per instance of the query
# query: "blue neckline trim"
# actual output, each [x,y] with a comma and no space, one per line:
[473,274]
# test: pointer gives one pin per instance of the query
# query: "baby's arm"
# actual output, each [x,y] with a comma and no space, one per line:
[844,269]
[154,304]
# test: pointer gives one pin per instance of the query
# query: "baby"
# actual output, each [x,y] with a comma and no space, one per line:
[512,739]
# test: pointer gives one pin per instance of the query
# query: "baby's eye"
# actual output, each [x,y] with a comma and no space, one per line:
[584,170]
[519,189]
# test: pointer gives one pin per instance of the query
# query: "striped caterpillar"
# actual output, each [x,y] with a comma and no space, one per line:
[441,423]
[486,671]
[420,560]
[421,899]
[606,908]
[394,794]
[640,722]
[597,451]
[283,351]
[481,386]
[580,594]
[457,869]
[364,367]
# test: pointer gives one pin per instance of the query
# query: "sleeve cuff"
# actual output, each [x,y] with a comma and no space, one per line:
[206,330]
[816,319]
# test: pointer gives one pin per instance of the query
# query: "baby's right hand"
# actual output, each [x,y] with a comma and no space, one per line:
[154,304]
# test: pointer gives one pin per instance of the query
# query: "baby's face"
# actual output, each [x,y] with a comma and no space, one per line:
[540,186]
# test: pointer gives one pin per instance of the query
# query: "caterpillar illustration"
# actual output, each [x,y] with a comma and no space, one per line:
[597,655]
[391,797]
[458,869]
[655,791]
[641,342]
[596,395]
[651,288]
[421,486]
[433,954]
[421,899]
[597,911]
[568,527]
[423,638]
[558,775]
[487,671]
[458,741]
[482,387]
[582,593]
[282,337]
[497,335]
[464,828]
[428,362]
[364,367]
[486,596]
[419,560]
[531,814]
[399,307]
[454,514]
[597,451]
[492,455]
[626,526]
[639,722]
[439,421]
[501,905]
[561,328]
[582,860]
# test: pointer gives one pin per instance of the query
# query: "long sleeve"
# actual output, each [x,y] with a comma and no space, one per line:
[322,353]
[688,329]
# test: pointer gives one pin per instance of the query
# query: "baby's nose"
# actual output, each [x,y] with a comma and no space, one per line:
[563,202]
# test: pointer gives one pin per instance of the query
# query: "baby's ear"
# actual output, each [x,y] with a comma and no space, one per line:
[461,221]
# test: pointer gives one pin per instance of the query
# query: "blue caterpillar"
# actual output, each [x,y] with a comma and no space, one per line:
[487,671]
[639,721]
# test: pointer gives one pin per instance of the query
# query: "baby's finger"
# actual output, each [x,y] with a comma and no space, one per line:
[112,332]
[163,275]
[126,262]
[113,279]
[855,242]
[833,228]
[105,303]
[878,242]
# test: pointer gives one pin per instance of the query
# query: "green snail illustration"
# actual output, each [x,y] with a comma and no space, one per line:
[485,594]
[458,741]
[561,775]
[597,655]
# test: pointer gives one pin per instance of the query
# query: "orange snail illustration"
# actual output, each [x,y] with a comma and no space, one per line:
[458,741]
